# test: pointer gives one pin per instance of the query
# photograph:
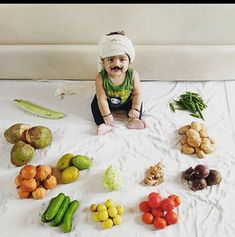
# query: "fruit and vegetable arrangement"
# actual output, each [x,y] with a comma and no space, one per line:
[69,166]
[159,212]
[60,212]
[108,213]
[189,101]
[26,139]
[195,140]
[200,177]
[34,181]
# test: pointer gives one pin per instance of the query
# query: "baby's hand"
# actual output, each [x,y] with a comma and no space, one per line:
[109,120]
[133,114]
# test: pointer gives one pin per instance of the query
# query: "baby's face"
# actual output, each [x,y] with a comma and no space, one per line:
[116,65]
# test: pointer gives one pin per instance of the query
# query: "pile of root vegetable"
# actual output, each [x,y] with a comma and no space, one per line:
[196,140]
[154,175]
[200,177]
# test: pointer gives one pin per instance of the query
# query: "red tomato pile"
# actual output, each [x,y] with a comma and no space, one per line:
[158,211]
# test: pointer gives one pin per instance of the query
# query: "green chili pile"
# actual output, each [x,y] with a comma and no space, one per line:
[191,102]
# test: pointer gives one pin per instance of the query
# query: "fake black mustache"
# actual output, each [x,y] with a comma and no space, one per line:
[117,68]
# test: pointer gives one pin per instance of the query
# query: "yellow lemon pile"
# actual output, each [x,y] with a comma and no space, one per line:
[108,213]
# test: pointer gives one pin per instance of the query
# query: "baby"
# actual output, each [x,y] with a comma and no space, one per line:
[117,84]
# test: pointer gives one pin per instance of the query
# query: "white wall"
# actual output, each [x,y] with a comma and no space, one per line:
[172,41]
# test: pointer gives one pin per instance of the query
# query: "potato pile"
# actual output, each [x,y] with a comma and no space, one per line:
[195,140]
[34,181]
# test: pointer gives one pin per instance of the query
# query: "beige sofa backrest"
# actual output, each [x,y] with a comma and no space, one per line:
[172,41]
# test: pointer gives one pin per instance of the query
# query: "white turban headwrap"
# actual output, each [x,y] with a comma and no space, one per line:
[112,45]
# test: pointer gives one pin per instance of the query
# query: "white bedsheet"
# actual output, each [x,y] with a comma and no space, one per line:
[206,213]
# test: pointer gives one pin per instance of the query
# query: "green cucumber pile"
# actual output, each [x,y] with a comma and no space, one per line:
[191,102]
[60,212]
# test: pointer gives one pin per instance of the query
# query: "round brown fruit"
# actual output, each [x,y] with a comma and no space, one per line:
[42,172]
[29,185]
[50,182]
[39,193]
[23,194]
[57,173]
[18,180]
[28,171]
[93,207]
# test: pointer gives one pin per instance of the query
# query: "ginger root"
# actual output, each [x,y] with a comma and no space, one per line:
[154,175]
[194,140]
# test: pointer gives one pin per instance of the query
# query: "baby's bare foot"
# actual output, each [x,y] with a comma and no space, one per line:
[103,129]
[136,124]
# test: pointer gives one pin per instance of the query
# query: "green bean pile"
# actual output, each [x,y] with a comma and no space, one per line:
[190,101]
